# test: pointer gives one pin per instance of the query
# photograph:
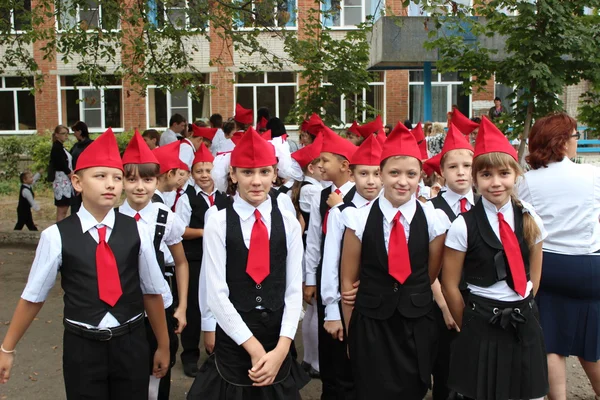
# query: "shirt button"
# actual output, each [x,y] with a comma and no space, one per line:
[258,299]
[259,286]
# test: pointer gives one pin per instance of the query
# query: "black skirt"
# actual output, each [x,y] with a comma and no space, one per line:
[500,352]
[393,358]
[224,376]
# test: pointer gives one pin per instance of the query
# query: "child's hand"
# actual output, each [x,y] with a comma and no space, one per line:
[334,199]
[349,297]
[6,363]
[161,362]
[181,319]
[209,341]
[335,329]
[263,373]
[449,320]
[309,293]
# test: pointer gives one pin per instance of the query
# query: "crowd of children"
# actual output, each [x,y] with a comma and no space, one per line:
[401,288]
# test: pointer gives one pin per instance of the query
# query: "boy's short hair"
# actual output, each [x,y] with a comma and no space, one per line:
[443,160]
[148,170]
[216,120]
[23,175]
[228,127]
[176,119]
[151,134]
[340,157]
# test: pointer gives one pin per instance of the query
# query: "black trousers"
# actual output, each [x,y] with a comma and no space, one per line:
[190,337]
[24,217]
[111,370]
[334,365]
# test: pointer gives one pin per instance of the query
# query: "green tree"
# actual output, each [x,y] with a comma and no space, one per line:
[549,44]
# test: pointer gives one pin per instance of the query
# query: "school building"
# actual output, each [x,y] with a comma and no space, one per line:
[397,94]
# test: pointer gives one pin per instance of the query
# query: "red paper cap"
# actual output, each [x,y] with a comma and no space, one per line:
[433,165]
[371,127]
[138,152]
[464,124]
[168,156]
[401,142]
[419,135]
[381,138]
[335,144]
[262,123]
[314,124]
[491,140]
[206,133]
[308,154]
[368,153]
[354,129]
[243,115]
[203,155]
[184,166]
[236,137]
[102,152]
[266,135]
[252,151]
[455,140]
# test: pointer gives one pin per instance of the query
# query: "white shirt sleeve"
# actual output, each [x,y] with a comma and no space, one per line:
[184,210]
[330,277]
[28,196]
[314,237]
[217,141]
[457,237]
[36,178]
[151,277]
[209,323]
[47,262]
[186,154]
[175,228]
[293,278]
[285,203]
[306,194]
[437,222]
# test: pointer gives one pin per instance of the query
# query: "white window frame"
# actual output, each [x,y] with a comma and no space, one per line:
[82,108]
[15,90]
[422,13]
[78,20]
[169,106]
[363,17]
[439,82]
[267,84]
[12,22]
[187,26]
[276,26]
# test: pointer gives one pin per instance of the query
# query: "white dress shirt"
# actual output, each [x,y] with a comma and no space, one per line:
[184,209]
[330,275]
[167,137]
[217,141]
[307,192]
[566,196]
[457,239]
[214,267]
[48,259]
[453,200]
[314,236]
[285,203]
[186,152]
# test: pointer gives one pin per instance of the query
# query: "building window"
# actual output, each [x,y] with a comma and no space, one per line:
[181,14]
[93,14]
[16,15]
[273,90]
[349,13]
[416,10]
[99,108]
[18,105]
[162,104]
[267,13]
[363,106]
[446,91]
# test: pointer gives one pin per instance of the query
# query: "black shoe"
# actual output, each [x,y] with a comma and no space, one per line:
[190,370]
[313,373]
[305,366]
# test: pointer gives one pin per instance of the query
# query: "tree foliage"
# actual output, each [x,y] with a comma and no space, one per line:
[549,44]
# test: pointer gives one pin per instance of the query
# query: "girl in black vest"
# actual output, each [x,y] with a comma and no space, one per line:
[253,267]
[191,208]
[395,250]
[500,353]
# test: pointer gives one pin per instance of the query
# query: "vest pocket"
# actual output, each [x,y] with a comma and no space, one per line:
[368,301]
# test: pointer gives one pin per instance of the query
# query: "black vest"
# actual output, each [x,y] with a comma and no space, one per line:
[78,271]
[323,207]
[441,203]
[283,189]
[380,294]
[157,199]
[305,215]
[23,207]
[193,247]
[485,260]
[244,293]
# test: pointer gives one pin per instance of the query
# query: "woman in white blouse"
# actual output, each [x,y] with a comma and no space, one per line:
[567,198]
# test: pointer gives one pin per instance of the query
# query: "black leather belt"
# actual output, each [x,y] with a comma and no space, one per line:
[104,334]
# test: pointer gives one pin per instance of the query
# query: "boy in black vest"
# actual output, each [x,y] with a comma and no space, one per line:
[109,275]
[27,201]
[335,167]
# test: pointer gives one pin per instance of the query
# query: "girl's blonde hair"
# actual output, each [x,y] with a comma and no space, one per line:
[495,160]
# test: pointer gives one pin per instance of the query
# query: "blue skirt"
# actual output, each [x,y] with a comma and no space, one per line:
[569,304]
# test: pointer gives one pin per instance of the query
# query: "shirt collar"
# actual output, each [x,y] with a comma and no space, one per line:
[160,194]
[360,201]
[492,208]
[199,190]
[345,188]
[245,210]
[407,209]
[88,221]
[452,197]
[27,185]
[311,180]
[145,213]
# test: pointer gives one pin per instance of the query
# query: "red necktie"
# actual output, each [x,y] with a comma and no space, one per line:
[513,254]
[137,217]
[337,191]
[211,199]
[259,255]
[177,196]
[463,205]
[109,283]
[398,257]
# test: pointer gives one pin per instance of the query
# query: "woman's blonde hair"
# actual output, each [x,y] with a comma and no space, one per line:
[495,160]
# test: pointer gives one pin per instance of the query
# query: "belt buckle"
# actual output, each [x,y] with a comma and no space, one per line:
[106,330]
